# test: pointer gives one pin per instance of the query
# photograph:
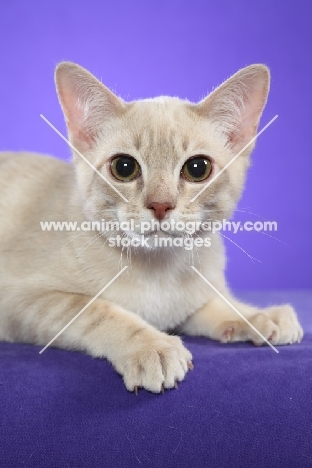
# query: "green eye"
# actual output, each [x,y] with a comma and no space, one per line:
[125,168]
[197,169]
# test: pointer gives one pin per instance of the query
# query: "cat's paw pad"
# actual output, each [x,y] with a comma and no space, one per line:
[158,361]
[279,325]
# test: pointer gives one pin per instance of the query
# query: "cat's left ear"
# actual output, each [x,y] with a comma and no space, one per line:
[236,106]
[87,104]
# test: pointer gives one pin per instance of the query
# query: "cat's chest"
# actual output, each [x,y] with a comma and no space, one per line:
[164,299]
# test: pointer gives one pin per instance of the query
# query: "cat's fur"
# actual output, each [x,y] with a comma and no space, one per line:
[46,278]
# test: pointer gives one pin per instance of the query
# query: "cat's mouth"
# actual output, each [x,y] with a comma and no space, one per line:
[162,232]
[153,233]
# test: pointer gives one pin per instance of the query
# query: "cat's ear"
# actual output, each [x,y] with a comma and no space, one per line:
[86,103]
[236,106]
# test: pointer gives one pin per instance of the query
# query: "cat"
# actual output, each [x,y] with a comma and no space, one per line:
[155,156]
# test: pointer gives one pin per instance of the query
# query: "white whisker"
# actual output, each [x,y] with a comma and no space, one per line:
[241,248]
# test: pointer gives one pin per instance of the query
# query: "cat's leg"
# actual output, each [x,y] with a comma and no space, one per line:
[217,320]
[144,356]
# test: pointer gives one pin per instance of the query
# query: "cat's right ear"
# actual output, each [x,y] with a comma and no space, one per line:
[86,103]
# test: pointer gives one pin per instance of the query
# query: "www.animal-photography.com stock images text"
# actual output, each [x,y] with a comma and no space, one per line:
[155,231]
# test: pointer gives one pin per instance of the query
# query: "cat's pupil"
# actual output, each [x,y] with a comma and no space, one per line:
[125,166]
[197,167]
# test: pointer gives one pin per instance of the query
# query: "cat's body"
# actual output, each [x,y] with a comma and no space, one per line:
[47,277]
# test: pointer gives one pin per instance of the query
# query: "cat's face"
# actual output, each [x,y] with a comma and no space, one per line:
[160,153]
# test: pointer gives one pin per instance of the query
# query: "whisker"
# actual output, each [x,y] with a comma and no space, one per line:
[273,237]
[197,249]
[250,212]
[106,239]
[241,248]
[71,240]
[93,239]
[213,251]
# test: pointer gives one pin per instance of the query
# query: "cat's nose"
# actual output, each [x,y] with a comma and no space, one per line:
[160,209]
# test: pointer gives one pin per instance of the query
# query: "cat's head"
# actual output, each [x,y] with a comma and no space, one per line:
[156,155]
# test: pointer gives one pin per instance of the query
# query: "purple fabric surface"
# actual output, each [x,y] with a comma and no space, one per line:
[242,406]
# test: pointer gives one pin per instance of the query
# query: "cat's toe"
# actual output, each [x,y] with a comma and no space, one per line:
[232,330]
[289,330]
[227,334]
[158,363]
[279,325]
[263,329]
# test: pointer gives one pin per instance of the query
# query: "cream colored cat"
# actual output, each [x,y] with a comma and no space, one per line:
[146,150]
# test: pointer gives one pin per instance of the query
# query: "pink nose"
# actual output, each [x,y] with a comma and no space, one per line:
[160,209]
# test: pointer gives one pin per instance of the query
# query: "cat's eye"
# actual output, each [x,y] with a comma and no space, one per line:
[197,169]
[125,168]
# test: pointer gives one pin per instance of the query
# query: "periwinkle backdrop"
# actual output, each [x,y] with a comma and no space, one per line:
[182,48]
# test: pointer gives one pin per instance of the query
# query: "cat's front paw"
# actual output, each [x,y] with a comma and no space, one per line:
[157,361]
[279,325]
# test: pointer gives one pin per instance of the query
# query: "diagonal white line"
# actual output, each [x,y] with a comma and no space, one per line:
[232,160]
[82,310]
[83,157]
[234,308]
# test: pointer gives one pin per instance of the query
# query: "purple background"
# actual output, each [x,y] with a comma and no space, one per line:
[146,48]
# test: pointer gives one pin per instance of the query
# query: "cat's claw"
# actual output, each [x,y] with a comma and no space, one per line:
[190,365]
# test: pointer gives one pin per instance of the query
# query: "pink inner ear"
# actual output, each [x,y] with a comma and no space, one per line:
[86,103]
[74,112]
[81,137]
[236,106]
[253,106]
[80,134]
[250,116]
[245,132]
